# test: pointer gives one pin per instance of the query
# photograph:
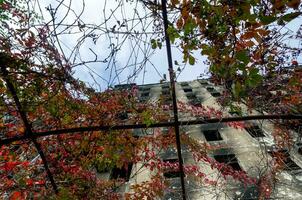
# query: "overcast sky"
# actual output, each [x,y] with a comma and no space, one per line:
[134,60]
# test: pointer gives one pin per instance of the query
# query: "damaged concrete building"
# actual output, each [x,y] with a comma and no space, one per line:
[249,149]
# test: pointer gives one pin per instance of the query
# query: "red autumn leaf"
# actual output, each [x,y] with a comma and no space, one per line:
[16,196]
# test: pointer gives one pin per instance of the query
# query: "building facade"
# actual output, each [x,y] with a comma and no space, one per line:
[250,148]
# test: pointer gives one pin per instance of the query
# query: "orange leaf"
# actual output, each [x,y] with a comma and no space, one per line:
[248,35]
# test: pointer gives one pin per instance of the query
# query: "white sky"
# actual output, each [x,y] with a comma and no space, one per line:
[132,51]
[93,14]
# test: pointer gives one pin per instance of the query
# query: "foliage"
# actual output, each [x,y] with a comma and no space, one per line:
[39,94]
[239,38]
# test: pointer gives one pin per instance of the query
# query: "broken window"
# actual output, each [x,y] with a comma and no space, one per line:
[191,96]
[145,94]
[254,131]
[122,115]
[215,94]
[188,90]
[212,135]
[289,164]
[195,102]
[210,89]
[121,173]
[167,87]
[229,159]
[144,89]
[165,92]
[171,173]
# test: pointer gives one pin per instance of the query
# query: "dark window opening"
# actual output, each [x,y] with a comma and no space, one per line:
[122,115]
[195,101]
[165,87]
[171,160]
[143,99]
[145,94]
[215,94]
[167,100]
[121,173]
[191,96]
[144,89]
[212,135]
[165,92]
[255,131]
[206,117]
[230,160]
[300,150]
[125,86]
[184,84]
[210,89]
[188,90]
[165,131]
[169,154]
[289,164]
[172,174]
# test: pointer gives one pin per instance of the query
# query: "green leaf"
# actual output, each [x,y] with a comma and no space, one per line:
[188,28]
[147,118]
[237,90]
[290,16]
[153,44]
[159,44]
[243,56]
[267,19]
[191,60]
[173,34]
[254,77]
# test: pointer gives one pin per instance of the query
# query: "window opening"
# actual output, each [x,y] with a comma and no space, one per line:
[289,164]
[163,87]
[122,115]
[255,131]
[229,159]
[125,86]
[210,89]
[145,94]
[171,160]
[188,90]
[195,102]
[215,94]
[191,96]
[144,89]
[184,84]
[171,173]
[121,173]
[212,135]
[165,92]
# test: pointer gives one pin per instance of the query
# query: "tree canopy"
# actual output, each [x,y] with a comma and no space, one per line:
[58,134]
